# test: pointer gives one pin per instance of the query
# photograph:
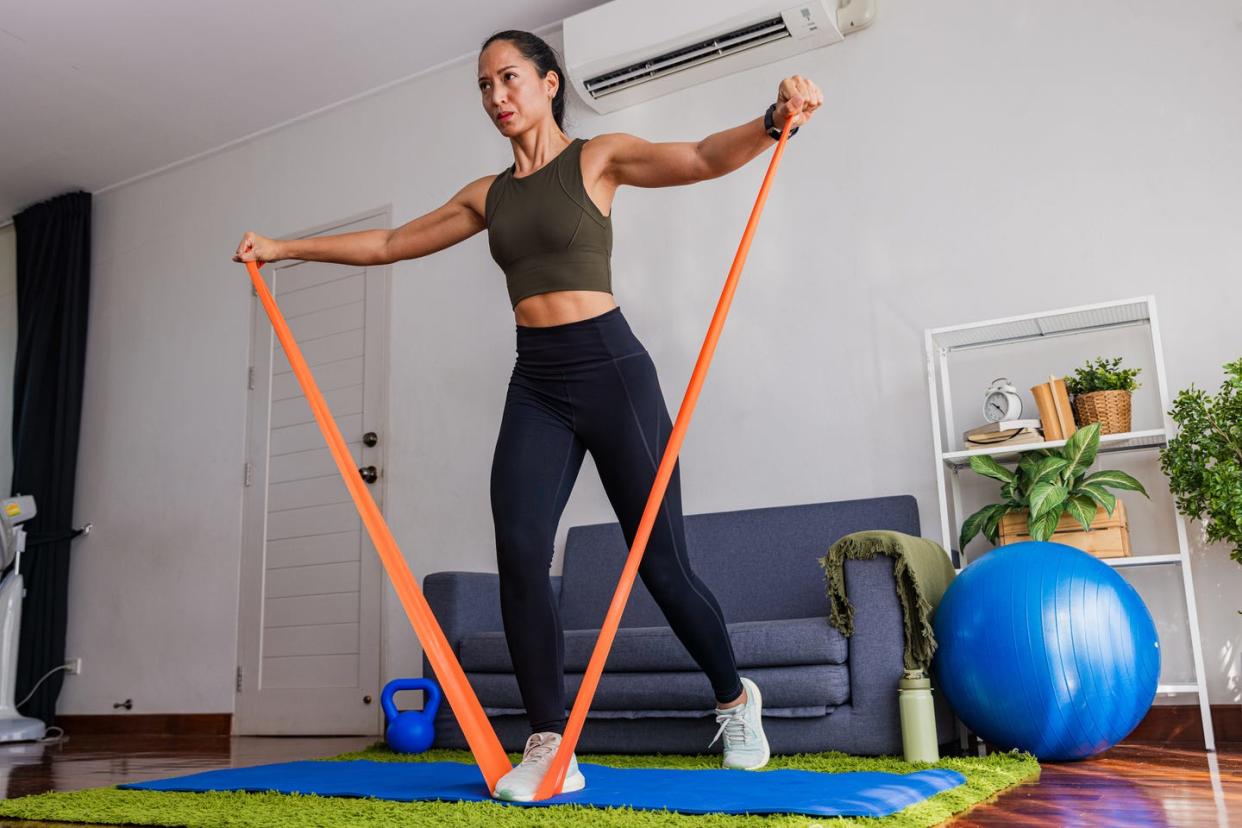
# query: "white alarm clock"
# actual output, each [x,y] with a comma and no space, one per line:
[1001,401]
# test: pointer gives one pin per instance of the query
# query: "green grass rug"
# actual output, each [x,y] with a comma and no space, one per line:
[985,777]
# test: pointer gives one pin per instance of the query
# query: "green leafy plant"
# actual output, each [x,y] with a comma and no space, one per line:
[1049,483]
[1102,375]
[1204,461]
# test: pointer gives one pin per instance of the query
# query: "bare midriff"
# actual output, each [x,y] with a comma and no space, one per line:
[560,307]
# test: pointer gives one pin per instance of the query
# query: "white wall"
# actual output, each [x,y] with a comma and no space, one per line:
[8,351]
[971,160]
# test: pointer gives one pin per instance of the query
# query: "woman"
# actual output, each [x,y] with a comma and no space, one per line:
[582,380]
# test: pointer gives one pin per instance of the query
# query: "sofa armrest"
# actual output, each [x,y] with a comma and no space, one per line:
[877,658]
[877,647]
[465,603]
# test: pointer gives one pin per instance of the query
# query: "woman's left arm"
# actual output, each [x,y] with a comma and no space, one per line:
[640,163]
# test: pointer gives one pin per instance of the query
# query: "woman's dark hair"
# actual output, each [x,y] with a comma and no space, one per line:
[534,49]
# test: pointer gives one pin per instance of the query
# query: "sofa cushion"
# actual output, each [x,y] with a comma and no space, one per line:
[812,689]
[771,552]
[656,649]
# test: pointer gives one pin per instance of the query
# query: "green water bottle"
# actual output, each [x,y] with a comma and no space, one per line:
[918,718]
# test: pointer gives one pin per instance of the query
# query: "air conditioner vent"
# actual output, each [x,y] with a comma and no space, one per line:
[705,51]
[624,52]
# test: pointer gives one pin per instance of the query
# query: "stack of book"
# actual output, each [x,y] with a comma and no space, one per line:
[1053,401]
[1009,432]
[1056,420]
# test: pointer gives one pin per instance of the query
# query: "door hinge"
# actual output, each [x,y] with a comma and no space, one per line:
[254,291]
[250,380]
[249,474]
[239,678]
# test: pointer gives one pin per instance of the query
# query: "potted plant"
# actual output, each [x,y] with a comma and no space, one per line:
[1050,494]
[1101,391]
[1204,461]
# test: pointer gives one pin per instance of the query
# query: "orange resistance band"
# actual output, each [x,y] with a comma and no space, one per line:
[470,716]
[554,778]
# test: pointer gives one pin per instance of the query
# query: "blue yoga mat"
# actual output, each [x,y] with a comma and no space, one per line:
[867,793]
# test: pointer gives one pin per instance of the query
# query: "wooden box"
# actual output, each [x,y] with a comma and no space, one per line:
[1109,536]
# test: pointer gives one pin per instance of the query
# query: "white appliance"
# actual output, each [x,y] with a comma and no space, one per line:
[13,512]
[628,51]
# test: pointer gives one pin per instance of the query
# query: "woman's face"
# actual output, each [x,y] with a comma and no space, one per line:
[514,96]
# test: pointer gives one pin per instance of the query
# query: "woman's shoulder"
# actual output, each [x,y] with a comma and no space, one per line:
[479,194]
[603,148]
[607,141]
[596,152]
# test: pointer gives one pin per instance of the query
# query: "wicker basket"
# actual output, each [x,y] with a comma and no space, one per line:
[1111,409]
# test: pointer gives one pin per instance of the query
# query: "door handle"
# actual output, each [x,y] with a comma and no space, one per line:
[369,474]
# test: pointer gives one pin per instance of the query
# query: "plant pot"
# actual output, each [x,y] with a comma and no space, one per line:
[1109,536]
[1111,409]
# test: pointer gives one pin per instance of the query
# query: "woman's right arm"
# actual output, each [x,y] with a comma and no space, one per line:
[457,220]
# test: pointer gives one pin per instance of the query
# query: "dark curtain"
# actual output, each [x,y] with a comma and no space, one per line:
[53,290]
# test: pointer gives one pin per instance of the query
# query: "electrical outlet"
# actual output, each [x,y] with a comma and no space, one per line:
[74,666]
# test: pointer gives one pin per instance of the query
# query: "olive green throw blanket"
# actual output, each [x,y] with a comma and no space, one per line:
[922,571]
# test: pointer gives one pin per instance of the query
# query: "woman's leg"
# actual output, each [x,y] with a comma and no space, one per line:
[626,427]
[536,461]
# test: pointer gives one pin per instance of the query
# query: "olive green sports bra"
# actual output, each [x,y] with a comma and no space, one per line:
[545,232]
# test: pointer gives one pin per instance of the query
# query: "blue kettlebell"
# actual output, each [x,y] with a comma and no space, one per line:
[411,731]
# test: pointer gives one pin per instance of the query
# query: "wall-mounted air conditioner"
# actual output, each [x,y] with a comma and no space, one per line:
[628,51]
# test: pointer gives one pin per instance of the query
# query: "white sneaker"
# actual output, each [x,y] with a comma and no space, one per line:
[745,745]
[520,784]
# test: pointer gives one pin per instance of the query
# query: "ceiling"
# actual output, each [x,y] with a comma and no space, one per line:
[97,93]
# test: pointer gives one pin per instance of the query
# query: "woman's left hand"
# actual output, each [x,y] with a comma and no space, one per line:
[798,97]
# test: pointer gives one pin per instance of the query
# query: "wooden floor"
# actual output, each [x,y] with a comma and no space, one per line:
[1131,785]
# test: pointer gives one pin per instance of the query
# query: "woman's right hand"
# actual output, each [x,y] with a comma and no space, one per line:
[254,247]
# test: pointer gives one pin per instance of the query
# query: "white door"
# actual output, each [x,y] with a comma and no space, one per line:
[310,606]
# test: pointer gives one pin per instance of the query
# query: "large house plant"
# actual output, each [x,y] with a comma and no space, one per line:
[1052,493]
[1204,461]
[1101,391]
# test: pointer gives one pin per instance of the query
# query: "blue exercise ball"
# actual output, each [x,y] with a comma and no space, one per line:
[1044,648]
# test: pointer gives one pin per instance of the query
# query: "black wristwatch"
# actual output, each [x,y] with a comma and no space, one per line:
[774,131]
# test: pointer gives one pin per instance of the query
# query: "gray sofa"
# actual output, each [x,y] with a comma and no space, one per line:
[821,691]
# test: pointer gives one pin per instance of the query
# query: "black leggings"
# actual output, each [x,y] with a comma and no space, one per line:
[589,386]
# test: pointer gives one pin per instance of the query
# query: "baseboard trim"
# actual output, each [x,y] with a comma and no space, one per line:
[1164,724]
[165,724]
[1181,724]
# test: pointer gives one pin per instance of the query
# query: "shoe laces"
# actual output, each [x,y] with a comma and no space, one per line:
[733,727]
[538,748]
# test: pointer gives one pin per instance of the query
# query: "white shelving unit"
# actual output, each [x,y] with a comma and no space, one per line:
[940,343]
